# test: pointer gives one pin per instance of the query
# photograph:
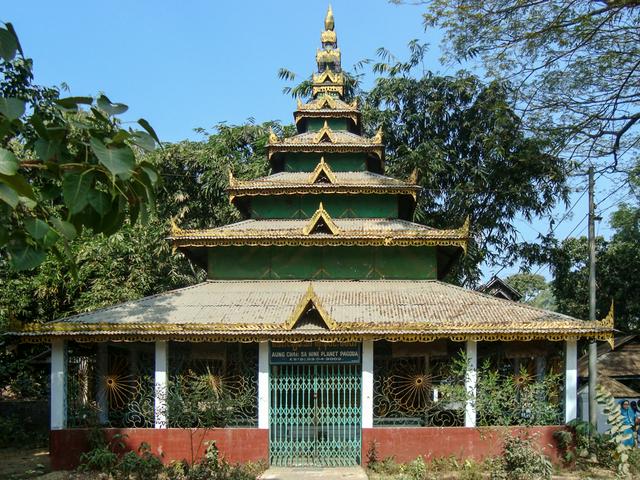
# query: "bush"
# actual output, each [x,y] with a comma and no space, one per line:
[211,467]
[14,433]
[142,466]
[521,461]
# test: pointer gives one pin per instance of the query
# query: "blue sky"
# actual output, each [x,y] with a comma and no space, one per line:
[185,65]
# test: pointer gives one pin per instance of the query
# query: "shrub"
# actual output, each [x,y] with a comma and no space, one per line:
[521,461]
[142,466]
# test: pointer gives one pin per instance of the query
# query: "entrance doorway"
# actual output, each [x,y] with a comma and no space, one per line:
[315,415]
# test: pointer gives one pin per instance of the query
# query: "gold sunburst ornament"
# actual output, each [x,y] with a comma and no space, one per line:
[119,389]
[522,379]
[412,391]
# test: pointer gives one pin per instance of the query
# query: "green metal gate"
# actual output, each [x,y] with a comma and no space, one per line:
[315,415]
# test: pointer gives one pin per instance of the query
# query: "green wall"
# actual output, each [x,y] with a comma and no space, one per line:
[339,162]
[315,124]
[338,263]
[338,206]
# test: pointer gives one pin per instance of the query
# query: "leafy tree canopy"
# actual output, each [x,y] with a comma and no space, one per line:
[574,63]
[471,153]
[534,289]
[65,164]
[137,260]
[617,267]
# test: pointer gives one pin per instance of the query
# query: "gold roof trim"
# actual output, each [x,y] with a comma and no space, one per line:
[413,178]
[377,138]
[325,133]
[328,76]
[273,138]
[321,215]
[175,230]
[607,322]
[310,298]
[322,168]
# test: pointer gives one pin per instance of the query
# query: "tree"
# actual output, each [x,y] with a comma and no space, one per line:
[534,289]
[617,267]
[472,156]
[63,167]
[575,65]
[137,260]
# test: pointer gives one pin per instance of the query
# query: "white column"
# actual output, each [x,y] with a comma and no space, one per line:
[162,364]
[470,380]
[58,384]
[102,359]
[367,384]
[571,381]
[263,385]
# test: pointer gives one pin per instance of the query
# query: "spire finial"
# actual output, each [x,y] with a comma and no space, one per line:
[329,23]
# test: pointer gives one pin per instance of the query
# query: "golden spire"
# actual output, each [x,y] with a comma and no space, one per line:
[329,78]
[329,23]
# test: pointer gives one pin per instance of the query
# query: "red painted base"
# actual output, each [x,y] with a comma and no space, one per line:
[406,444]
[237,445]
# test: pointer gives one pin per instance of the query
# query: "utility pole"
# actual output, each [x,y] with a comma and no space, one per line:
[593,348]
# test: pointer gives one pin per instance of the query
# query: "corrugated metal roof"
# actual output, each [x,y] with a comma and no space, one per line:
[285,179]
[293,228]
[383,307]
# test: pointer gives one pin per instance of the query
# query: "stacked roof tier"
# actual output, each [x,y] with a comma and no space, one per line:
[327,210]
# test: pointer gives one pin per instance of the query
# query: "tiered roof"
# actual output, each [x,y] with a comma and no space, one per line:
[256,310]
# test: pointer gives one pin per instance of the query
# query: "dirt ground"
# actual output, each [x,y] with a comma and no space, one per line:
[23,464]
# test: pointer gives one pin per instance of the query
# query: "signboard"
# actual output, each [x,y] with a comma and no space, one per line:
[293,354]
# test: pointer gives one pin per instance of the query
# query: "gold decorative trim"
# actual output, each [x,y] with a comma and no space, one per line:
[321,188]
[310,297]
[175,230]
[311,337]
[273,138]
[321,168]
[300,115]
[413,178]
[328,241]
[377,138]
[324,134]
[320,214]
[378,150]
[607,322]
[328,76]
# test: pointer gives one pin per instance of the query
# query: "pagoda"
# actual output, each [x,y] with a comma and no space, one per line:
[325,308]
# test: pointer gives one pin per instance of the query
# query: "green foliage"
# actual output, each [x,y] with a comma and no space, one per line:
[521,460]
[472,154]
[196,174]
[211,467]
[66,164]
[14,433]
[617,432]
[143,465]
[618,260]
[197,401]
[503,398]
[570,82]
[535,290]
[101,457]
[582,445]
[19,380]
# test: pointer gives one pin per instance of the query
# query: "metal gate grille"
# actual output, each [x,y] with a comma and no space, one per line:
[315,415]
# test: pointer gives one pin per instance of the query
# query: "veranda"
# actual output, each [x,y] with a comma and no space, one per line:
[433,397]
